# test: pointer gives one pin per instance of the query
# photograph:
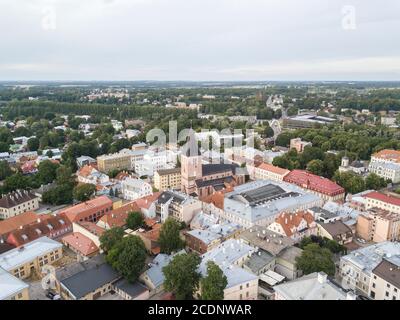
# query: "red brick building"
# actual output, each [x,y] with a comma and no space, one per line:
[91,210]
[322,187]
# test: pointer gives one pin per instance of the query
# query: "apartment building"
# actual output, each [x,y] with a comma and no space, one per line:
[385,281]
[177,205]
[266,171]
[382,201]
[201,241]
[230,256]
[133,189]
[167,179]
[115,161]
[17,202]
[355,269]
[378,225]
[23,261]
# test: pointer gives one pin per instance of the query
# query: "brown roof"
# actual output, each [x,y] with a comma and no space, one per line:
[274,169]
[389,272]
[391,155]
[122,175]
[13,223]
[16,198]
[146,202]
[80,243]
[85,170]
[116,218]
[311,181]
[42,227]
[80,211]
[290,221]
[92,228]
[336,228]
[168,171]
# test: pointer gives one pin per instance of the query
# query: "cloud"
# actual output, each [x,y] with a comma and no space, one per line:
[197,39]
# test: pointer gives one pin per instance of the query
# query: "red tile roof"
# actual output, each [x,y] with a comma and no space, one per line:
[80,243]
[145,202]
[92,228]
[46,225]
[383,197]
[84,209]
[13,223]
[85,171]
[313,182]
[269,167]
[391,155]
[291,221]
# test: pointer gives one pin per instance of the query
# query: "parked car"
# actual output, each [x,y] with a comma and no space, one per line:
[52,296]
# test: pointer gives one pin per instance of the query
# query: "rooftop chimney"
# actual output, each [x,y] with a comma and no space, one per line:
[322,277]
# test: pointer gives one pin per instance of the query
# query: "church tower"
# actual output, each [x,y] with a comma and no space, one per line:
[191,165]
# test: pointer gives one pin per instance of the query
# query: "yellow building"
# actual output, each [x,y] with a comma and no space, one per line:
[23,261]
[116,161]
[167,179]
[12,288]
[17,202]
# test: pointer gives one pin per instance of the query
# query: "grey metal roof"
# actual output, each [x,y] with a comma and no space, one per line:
[132,289]
[225,256]
[155,273]
[367,258]
[260,199]
[76,267]
[84,282]
[259,260]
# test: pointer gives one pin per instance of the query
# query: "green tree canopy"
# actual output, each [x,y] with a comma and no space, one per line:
[315,259]
[135,220]
[316,167]
[169,239]
[110,238]
[47,172]
[214,283]
[5,170]
[128,257]
[33,144]
[374,182]
[84,192]
[182,276]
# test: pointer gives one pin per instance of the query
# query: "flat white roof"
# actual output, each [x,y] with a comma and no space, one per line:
[19,256]
[10,285]
[271,277]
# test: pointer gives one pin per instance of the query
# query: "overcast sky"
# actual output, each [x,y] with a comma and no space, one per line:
[199,40]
